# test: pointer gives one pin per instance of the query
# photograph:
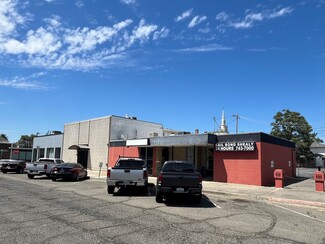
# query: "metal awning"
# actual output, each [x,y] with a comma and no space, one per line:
[77,147]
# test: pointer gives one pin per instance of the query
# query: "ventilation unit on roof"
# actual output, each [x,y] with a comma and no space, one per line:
[153,134]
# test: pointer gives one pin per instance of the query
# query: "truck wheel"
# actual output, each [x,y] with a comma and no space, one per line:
[30,176]
[197,199]
[159,196]
[110,189]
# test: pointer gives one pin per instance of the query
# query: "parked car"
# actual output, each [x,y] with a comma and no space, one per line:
[178,178]
[43,166]
[12,165]
[127,172]
[74,171]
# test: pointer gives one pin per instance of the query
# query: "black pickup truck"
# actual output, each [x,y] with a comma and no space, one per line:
[178,177]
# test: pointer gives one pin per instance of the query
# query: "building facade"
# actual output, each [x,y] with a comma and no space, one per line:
[47,146]
[241,158]
[87,142]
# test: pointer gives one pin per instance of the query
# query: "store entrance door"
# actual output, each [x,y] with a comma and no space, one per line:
[82,157]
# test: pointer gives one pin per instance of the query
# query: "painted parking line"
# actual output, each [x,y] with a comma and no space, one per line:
[296,212]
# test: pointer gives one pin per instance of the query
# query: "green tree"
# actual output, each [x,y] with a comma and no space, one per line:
[26,141]
[294,127]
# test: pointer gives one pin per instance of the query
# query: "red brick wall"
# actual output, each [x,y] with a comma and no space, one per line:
[116,152]
[281,156]
[238,167]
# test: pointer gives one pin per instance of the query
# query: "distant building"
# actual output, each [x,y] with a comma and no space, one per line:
[48,146]
[318,149]
[223,129]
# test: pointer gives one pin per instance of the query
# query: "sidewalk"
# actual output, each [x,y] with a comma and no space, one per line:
[299,191]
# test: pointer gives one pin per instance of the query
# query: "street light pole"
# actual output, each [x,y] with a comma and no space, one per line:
[237,118]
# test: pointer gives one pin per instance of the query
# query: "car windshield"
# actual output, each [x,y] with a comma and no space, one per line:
[180,167]
[130,164]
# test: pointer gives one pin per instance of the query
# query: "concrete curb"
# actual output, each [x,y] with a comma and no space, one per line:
[297,202]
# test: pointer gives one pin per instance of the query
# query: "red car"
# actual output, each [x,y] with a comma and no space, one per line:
[74,171]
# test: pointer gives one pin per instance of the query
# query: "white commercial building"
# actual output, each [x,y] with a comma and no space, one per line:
[47,146]
[87,142]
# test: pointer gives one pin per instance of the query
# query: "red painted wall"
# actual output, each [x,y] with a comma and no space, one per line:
[238,167]
[116,152]
[281,156]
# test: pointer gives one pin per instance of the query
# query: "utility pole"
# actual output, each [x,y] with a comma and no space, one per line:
[237,118]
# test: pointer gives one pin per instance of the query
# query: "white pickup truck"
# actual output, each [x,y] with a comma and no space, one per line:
[127,172]
[43,166]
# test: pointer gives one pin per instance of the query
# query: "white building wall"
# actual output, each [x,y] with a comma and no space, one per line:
[48,142]
[124,128]
[71,137]
[95,134]
[98,140]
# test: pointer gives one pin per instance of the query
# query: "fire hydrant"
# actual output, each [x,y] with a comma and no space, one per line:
[279,178]
[319,177]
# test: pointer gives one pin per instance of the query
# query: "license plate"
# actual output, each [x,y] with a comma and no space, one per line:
[33,172]
[179,189]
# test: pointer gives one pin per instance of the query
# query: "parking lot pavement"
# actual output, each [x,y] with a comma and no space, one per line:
[299,190]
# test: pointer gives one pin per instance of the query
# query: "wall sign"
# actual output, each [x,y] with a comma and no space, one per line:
[236,146]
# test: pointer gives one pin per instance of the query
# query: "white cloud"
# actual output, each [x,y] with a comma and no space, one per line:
[85,39]
[54,46]
[184,15]
[23,83]
[161,33]
[141,33]
[251,19]
[196,20]
[222,16]
[129,2]
[206,48]
[9,17]
[40,41]
[79,4]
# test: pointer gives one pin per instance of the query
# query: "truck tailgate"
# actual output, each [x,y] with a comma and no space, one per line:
[126,174]
[176,180]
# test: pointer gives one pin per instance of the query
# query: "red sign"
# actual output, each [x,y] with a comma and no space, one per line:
[16,151]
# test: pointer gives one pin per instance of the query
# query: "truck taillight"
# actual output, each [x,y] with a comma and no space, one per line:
[108,173]
[160,178]
[45,166]
[145,174]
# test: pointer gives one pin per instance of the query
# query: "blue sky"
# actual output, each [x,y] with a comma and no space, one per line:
[179,63]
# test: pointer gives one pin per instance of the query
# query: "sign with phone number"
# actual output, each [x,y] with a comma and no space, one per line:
[236,146]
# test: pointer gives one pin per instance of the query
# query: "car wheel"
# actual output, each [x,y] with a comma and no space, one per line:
[53,179]
[77,177]
[30,176]
[159,197]
[110,189]
[21,171]
[5,172]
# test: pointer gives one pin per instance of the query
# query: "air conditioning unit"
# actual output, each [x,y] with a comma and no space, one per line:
[153,134]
